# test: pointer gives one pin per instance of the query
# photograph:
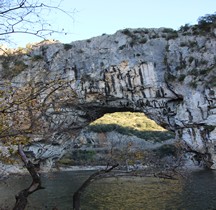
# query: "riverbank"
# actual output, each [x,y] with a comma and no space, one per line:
[168,163]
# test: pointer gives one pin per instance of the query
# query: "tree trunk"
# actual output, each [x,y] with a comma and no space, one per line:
[78,193]
[22,197]
[76,200]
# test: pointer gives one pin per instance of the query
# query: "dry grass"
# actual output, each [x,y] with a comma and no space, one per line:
[137,121]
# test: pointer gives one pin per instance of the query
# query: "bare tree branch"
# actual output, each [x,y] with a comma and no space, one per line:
[28,17]
[78,193]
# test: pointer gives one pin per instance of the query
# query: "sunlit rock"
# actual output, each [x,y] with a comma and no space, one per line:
[168,75]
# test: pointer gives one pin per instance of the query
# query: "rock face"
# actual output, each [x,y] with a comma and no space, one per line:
[168,75]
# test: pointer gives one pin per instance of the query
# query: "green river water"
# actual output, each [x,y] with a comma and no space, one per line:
[197,192]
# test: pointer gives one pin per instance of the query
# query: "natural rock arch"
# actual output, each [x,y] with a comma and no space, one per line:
[168,75]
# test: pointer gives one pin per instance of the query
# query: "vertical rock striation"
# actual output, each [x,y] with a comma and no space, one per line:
[168,75]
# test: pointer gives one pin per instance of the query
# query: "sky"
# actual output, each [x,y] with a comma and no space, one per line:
[96,17]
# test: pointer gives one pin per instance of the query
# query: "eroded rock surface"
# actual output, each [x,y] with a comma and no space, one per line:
[168,75]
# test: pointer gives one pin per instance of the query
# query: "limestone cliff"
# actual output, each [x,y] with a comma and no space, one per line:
[169,75]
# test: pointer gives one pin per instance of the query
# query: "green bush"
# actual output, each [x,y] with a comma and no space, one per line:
[212,81]
[181,77]
[143,40]
[166,150]
[155,136]
[183,44]
[169,33]
[10,71]
[169,77]
[185,28]
[37,57]
[65,161]
[210,127]
[193,84]
[127,32]
[102,128]
[172,35]
[67,46]
[192,44]
[191,59]
[168,30]
[211,92]
[204,71]
[205,23]
[194,72]
[122,47]
[80,157]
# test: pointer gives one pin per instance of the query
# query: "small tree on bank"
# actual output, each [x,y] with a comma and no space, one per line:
[22,109]
[22,112]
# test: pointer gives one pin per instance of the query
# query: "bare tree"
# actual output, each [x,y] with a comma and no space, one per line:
[29,17]
[22,109]
[22,112]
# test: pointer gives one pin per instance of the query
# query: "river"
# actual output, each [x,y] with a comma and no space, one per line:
[196,192]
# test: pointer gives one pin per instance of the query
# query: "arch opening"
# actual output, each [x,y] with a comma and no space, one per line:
[129,138]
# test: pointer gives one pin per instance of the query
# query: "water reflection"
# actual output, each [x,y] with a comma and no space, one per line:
[197,192]
[58,192]
[132,193]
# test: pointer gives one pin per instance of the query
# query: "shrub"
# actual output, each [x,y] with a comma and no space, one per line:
[190,59]
[210,127]
[203,62]
[185,28]
[195,30]
[192,44]
[80,51]
[102,128]
[83,157]
[67,46]
[206,22]
[169,33]
[181,77]
[5,64]
[65,161]
[166,150]
[172,35]
[212,81]
[19,66]
[143,40]
[203,71]
[37,57]
[10,72]
[194,72]
[168,30]
[193,84]
[156,136]
[211,92]
[183,44]
[169,77]
[134,37]
[122,47]
[126,32]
